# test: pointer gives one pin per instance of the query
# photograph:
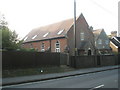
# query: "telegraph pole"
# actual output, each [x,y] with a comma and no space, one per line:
[75,26]
[75,30]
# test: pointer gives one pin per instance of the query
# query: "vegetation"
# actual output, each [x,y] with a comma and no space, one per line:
[35,71]
[9,38]
[10,41]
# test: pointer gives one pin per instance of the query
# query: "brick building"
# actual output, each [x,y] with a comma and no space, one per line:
[102,42]
[59,37]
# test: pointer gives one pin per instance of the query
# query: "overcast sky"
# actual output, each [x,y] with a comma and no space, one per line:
[25,15]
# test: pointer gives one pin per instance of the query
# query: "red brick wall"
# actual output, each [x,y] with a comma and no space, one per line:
[46,45]
[88,42]
[63,44]
[37,45]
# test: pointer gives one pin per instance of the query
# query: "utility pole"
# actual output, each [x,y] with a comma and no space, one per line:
[75,30]
[75,26]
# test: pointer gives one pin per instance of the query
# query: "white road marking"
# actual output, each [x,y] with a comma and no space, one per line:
[97,87]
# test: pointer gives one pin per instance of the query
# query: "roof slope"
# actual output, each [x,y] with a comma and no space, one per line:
[49,31]
[116,41]
[118,38]
[97,33]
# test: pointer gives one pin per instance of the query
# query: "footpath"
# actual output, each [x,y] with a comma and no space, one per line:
[35,78]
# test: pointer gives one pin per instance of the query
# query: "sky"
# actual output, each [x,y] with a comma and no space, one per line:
[25,15]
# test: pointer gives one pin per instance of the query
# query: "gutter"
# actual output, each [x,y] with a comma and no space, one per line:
[44,39]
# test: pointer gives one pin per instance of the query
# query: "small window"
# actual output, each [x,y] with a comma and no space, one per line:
[82,36]
[31,46]
[42,47]
[99,41]
[60,31]
[95,43]
[57,45]
[45,35]
[25,38]
[103,46]
[34,37]
[106,42]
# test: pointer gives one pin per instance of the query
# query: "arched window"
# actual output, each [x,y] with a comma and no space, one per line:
[42,47]
[89,52]
[57,46]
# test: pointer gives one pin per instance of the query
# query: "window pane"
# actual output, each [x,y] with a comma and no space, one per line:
[45,35]
[60,32]
[57,49]
[82,36]
[107,42]
[42,47]
[99,41]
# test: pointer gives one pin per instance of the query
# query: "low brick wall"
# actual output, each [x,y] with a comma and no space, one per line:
[13,60]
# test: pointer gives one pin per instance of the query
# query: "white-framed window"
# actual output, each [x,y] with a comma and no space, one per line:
[99,41]
[106,42]
[57,46]
[82,36]
[26,38]
[34,37]
[60,31]
[46,34]
[42,47]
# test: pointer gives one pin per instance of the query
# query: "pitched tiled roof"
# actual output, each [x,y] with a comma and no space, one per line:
[97,33]
[116,41]
[49,31]
[118,38]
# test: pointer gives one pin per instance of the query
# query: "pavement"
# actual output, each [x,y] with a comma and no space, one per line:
[92,81]
[35,78]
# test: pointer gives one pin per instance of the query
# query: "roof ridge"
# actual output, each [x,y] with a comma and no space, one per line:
[53,23]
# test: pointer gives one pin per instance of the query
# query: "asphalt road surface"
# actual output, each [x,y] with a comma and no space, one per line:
[105,79]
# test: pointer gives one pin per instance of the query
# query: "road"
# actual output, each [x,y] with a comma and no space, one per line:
[105,79]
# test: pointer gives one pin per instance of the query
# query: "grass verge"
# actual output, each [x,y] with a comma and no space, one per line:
[35,71]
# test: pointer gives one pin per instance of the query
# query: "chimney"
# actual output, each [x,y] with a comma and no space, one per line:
[91,28]
[114,33]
